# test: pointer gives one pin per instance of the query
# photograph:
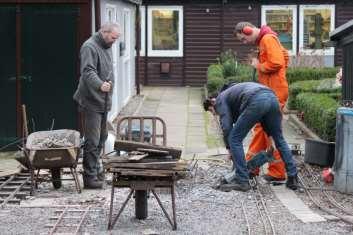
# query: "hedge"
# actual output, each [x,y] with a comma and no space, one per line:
[319,113]
[301,74]
[317,86]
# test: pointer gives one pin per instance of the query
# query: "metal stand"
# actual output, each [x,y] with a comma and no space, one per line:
[148,183]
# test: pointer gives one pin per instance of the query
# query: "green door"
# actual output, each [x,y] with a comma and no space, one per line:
[49,65]
[7,74]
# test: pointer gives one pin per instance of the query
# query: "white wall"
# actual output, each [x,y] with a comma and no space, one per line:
[124,80]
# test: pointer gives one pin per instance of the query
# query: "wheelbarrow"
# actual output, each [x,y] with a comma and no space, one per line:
[53,150]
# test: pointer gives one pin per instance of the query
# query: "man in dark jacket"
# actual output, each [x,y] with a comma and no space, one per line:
[94,96]
[240,107]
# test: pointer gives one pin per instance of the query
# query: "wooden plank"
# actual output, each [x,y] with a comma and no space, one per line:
[154,151]
[143,172]
[137,157]
[124,145]
[150,165]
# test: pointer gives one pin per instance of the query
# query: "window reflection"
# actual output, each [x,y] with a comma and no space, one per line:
[281,21]
[317,25]
[165,27]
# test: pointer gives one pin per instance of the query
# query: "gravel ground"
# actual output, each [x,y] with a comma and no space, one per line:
[200,210]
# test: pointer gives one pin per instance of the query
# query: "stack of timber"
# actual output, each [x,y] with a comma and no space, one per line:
[143,159]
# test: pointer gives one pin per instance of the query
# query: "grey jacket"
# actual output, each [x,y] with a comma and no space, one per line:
[96,67]
[232,102]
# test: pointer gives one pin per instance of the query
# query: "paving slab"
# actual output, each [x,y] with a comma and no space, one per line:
[295,205]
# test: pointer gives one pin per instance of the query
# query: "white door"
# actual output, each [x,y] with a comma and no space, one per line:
[111,16]
[126,58]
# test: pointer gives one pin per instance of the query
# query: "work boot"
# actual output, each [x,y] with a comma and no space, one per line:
[235,185]
[292,182]
[270,179]
[219,183]
[92,182]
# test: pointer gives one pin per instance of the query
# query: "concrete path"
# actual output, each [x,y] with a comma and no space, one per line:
[181,109]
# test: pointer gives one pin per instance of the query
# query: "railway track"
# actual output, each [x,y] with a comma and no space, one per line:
[268,227]
[326,202]
[14,188]
[68,220]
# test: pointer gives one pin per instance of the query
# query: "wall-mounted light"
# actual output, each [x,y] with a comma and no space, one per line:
[207,10]
[249,7]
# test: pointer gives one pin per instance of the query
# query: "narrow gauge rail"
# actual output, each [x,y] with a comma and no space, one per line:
[76,218]
[321,205]
[14,188]
[264,215]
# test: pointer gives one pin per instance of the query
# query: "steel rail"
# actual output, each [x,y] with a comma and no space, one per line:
[321,207]
[64,215]
[15,190]
[246,218]
[264,214]
[329,197]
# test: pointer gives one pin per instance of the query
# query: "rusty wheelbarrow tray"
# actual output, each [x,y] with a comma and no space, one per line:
[53,157]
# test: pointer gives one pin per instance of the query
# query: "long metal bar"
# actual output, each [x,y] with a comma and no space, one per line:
[163,209]
[173,205]
[121,209]
[82,219]
[58,221]
[111,202]
[7,181]
[332,200]
[14,192]
[246,218]
[320,206]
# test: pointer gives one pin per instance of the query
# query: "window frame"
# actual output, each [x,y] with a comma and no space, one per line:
[142,30]
[329,51]
[163,53]
[264,8]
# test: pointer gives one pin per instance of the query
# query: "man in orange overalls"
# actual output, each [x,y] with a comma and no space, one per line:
[271,66]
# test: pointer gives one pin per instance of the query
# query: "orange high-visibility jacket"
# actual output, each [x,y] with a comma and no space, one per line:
[273,62]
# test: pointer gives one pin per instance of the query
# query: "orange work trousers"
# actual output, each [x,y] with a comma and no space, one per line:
[261,141]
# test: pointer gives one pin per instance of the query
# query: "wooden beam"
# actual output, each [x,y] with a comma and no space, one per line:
[123,145]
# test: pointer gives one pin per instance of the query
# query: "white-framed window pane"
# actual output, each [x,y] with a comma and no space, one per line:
[165,31]
[165,26]
[316,22]
[282,20]
[317,26]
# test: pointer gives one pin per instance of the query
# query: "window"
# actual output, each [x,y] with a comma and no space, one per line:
[283,20]
[165,31]
[316,22]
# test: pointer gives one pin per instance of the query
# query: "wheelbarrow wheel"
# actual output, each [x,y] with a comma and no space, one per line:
[56,177]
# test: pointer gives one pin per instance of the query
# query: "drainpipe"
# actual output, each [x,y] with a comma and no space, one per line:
[97,14]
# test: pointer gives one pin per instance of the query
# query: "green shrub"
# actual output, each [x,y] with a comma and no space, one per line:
[230,68]
[214,84]
[215,70]
[227,55]
[319,113]
[300,74]
[238,79]
[317,86]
